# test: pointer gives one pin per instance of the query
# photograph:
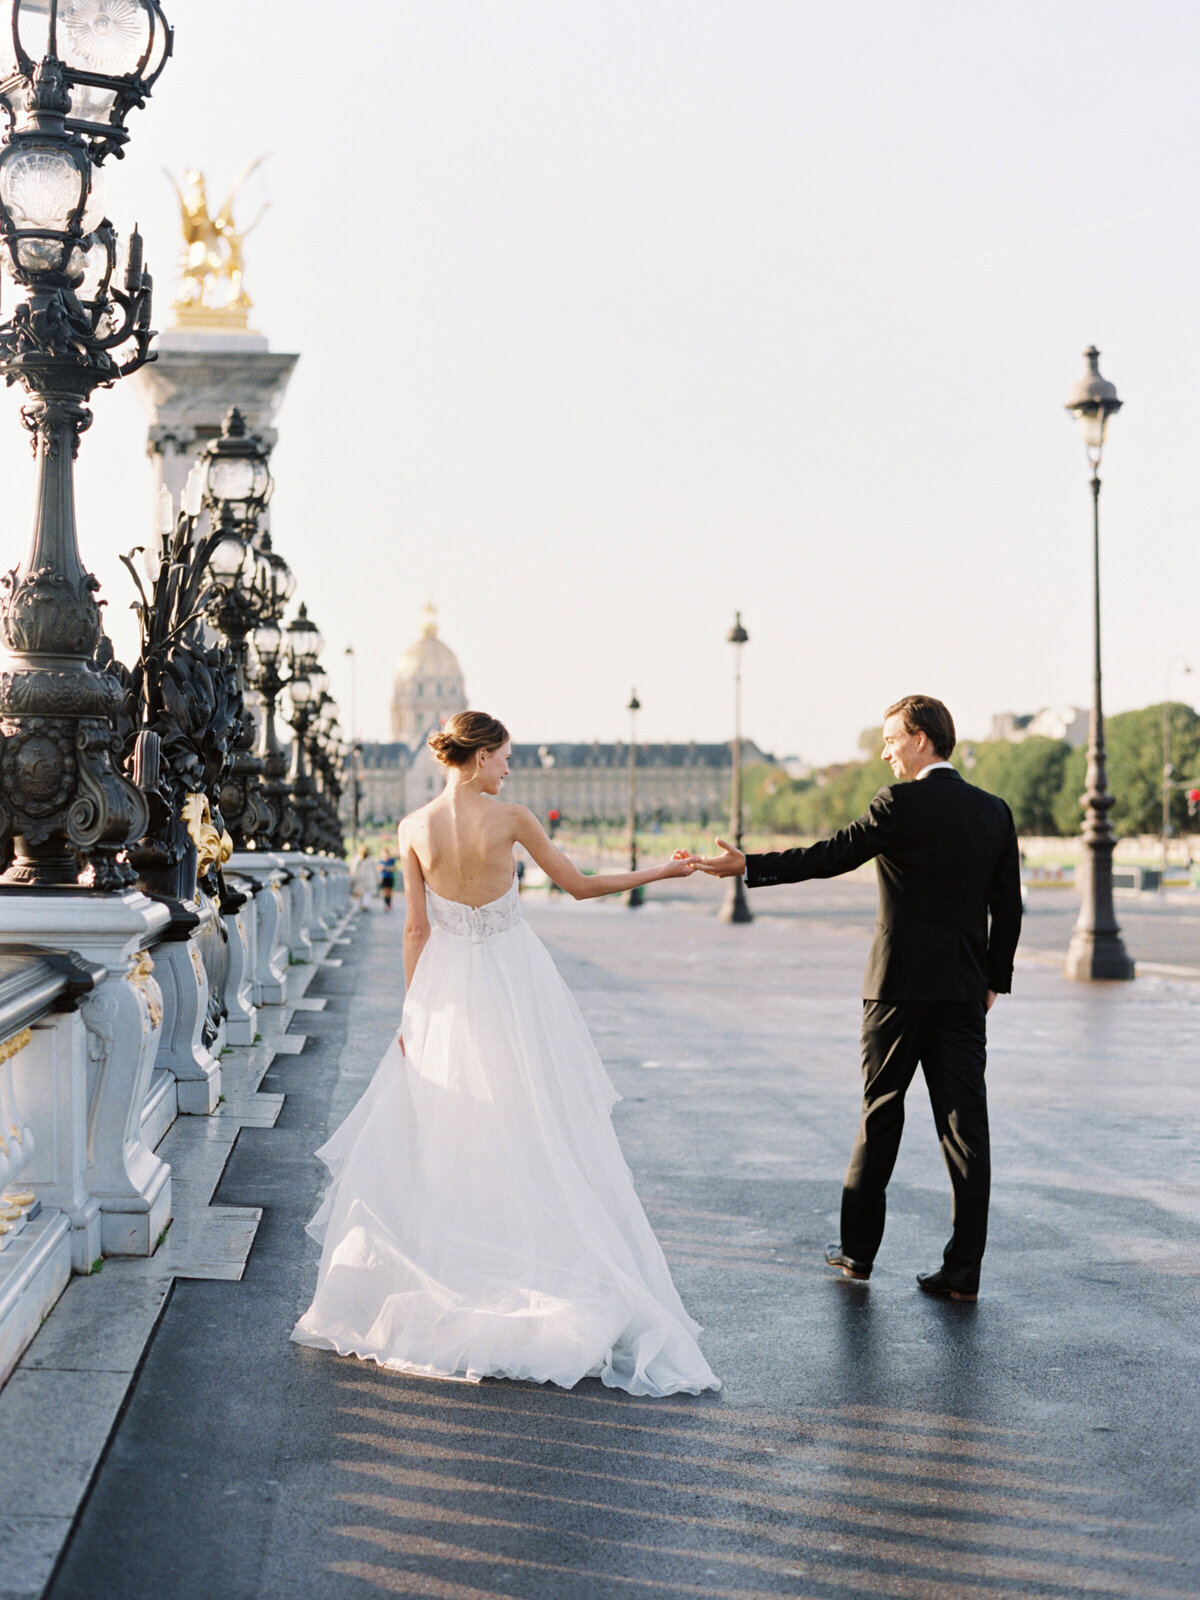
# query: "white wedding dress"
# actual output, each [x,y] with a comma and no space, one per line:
[482,1221]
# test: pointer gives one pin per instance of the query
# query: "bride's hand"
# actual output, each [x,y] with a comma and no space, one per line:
[681,865]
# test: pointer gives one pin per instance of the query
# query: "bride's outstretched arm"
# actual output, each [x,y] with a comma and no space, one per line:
[416,913]
[560,869]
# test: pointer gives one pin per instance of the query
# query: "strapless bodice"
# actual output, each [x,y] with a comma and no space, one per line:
[475,922]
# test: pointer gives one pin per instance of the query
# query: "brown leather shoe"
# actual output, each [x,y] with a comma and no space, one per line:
[939,1284]
[859,1270]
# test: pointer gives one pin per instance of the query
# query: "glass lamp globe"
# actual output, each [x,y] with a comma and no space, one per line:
[43,187]
[268,641]
[230,479]
[1093,425]
[304,640]
[299,691]
[278,581]
[112,52]
[228,558]
[236,472]
[97,263]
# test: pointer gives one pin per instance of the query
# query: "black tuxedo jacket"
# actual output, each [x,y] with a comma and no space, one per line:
[946,858]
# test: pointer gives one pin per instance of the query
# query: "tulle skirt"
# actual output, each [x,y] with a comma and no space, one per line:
[482,1220]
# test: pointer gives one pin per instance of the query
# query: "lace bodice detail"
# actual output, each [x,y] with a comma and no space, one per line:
[476,923]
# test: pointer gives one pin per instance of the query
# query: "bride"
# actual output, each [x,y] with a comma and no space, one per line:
[481,1221]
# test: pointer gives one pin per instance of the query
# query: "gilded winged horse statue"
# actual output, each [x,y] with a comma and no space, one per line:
[211,286]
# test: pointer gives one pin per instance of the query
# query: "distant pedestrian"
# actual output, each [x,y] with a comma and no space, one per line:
[362,878]
[387,879]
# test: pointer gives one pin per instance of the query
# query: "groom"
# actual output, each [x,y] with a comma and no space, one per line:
[949,919]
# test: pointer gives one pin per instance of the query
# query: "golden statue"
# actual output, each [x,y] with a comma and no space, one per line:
[211,291]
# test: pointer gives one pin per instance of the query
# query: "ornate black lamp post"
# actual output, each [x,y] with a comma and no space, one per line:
[269,681]
[637,894]
[305,686]
[734,907]
[1096,950]
[326,755]
[237,486]
[68,79]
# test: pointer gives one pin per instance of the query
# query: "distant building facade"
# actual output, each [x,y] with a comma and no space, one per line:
[586,783]
[1053,722]
[589,783]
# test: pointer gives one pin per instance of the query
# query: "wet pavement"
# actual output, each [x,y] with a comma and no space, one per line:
[868,1442]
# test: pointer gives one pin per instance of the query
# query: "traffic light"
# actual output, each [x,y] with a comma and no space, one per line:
[552,821]
[1193,800]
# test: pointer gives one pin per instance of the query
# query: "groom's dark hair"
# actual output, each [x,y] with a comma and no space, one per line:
[923,714]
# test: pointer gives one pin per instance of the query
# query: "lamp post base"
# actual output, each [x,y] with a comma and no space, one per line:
[635,897]
[734,907]
[1095,957]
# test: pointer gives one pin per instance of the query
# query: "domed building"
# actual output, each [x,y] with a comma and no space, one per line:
[585,783]
[428,685]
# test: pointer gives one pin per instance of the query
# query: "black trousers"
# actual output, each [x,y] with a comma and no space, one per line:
[948,1039]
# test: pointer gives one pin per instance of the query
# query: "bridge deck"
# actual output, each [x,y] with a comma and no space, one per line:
[869,1442]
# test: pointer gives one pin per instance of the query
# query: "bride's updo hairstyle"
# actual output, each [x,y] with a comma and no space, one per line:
[465,733]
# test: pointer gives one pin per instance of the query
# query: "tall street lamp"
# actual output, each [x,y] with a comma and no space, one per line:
[1096,950]
[68,80]
[734,907]
[269,681]
[636,895]
[305,687]
[236,488]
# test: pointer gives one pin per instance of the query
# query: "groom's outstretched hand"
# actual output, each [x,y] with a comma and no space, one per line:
[731,863]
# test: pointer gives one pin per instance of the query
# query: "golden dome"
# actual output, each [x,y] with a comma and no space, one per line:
[428,656]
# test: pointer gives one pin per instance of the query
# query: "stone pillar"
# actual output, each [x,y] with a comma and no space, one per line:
[50,1227]
[268,986]
[241,926]
[50,1086]
[122,1017]
[322,914]
[300,918]
[199,374]
[180,971]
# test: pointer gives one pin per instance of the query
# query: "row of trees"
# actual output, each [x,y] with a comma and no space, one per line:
[1041,779]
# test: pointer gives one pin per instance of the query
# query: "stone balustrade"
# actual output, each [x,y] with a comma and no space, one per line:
[267,927]
[241,928]
[184,1049]
[50,1225]
[103,1000]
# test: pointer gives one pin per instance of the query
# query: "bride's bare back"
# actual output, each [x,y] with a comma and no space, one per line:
[463,844]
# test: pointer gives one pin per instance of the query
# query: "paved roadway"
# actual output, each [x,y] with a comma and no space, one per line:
[1162,929]
[869,1441]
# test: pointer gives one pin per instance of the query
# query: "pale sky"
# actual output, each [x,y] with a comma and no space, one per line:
[615,317]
